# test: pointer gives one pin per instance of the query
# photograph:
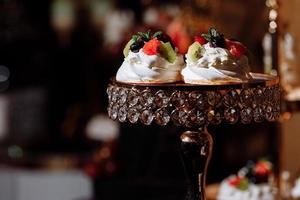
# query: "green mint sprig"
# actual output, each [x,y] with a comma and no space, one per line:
[157,34]
[136,38]
[215,38]
[146,36]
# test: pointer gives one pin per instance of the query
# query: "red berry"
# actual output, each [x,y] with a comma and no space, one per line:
[200,39]
[236,49]
[262,168]
[151,47]
[234,181]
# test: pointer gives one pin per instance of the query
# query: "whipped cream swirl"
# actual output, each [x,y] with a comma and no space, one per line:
[140,67]
[216,64]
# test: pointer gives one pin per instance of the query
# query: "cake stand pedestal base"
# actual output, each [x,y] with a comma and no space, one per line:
[196,147]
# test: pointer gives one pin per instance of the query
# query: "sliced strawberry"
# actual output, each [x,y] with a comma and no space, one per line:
[234,181]
[262,168]
[236,49]
[152,47]
[200,39]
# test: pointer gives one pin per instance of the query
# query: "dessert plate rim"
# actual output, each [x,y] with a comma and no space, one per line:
[259,79]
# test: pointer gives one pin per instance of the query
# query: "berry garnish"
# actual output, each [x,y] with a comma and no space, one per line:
[150,44]
[262,168]
[236,49]
[152,47]
[136,46]
[234,181]
[163,37]
[241,183]
[215,38]
[201,40]
[221,43]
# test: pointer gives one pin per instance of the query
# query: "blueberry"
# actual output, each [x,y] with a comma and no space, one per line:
[165,38]
[220,42]
[135,47]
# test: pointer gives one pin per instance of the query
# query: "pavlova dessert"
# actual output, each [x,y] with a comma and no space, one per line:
[252,182]
[150,58]
[296,189]
[214,59]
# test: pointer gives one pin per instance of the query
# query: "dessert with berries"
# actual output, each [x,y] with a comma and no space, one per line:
[296,189]
[253,182]
[214,59]
[150,58]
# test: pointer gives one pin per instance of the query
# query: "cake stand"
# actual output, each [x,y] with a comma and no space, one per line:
[194,107]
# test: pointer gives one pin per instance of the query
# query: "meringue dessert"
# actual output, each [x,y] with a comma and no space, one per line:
[253,182]
[213,59]
[150,58]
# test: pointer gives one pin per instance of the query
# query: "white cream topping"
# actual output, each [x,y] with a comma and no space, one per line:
[140,67]
[216,64]
[253,192]
[296,190]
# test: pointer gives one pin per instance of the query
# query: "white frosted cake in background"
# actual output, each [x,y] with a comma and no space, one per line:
[252,182]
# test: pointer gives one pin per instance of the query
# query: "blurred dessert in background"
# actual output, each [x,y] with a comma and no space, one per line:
[150,58]
[288,49]
[253,182]
[296,190]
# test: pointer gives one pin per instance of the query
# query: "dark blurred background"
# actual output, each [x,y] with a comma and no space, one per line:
[61,54]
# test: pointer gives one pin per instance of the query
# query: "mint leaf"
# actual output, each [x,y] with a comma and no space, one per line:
[135,38]
[156,34]
[148,34]
[213,32]
[145,36]
[215,38]
[207,37]
[141,34]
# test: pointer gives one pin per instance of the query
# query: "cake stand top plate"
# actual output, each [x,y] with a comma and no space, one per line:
[262,80]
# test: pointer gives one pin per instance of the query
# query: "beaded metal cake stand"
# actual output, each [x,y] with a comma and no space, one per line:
[194,107]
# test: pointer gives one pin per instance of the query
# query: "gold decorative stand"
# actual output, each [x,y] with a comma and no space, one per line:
[194,107]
